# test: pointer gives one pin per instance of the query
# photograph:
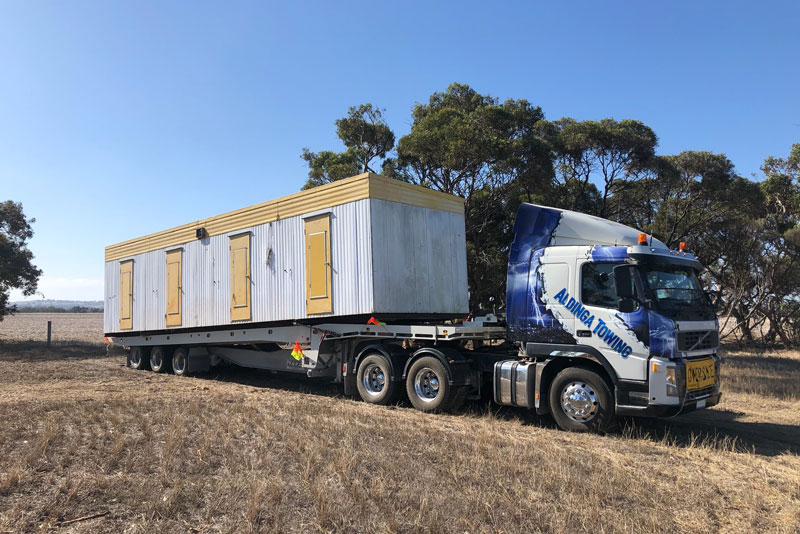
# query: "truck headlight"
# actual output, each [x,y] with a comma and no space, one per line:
[672,382]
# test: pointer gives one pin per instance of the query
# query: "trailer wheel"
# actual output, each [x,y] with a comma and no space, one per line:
[581,402]
[159,357]
[374,380]
[139,359]
[428,386]
[180,362]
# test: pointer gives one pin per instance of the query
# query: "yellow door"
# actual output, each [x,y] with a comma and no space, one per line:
[318,265]
[174,287]
[240,277]
[126,295]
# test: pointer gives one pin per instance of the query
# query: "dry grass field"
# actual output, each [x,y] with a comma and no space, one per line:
[237,451]
[66,328]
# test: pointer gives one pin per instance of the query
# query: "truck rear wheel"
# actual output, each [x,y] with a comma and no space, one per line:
[428,386]
[158,359]
[580,401]
[180,362]
[139,358]
[374,381]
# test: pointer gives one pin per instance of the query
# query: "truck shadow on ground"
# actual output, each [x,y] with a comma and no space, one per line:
[719,429]
[714,428]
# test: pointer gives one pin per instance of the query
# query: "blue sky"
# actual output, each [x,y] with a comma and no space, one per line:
[123,118]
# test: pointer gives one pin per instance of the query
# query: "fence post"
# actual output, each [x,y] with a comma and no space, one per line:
[49,332]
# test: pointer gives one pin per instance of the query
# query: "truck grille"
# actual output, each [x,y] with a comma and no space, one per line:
[689,340]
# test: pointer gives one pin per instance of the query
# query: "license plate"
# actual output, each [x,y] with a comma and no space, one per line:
[700,374]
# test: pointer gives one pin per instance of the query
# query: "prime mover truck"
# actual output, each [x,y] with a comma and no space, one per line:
[364,282]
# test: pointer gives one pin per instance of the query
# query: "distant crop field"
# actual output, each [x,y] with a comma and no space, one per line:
[84,327]
[85,438]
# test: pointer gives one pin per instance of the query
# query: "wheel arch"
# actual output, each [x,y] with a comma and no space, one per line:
[396,356]
[458,368]
[558,363]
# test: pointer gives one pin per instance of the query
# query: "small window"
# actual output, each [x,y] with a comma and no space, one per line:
[597,285]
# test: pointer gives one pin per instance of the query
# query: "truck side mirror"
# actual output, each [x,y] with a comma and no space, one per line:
[626,305]
[623,282]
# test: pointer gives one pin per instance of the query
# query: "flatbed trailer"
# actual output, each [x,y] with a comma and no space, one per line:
[339,351]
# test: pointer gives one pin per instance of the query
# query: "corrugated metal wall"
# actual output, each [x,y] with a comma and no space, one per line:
[277,269]
[419,260]
[386,257]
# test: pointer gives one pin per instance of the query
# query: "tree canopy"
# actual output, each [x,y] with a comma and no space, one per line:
[496,154]
[16,260]
[365,135]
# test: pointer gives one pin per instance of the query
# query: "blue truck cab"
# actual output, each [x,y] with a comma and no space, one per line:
[609,320]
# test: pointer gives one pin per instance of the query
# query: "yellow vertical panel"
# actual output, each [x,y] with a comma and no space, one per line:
[240,277]
[318,265]
[317,271]
[174,289]
[126,295]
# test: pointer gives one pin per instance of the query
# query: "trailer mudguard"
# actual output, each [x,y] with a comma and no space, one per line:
[458,367]
[396,355]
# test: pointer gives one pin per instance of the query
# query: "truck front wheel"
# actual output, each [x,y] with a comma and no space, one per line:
[581,402]
[374,380]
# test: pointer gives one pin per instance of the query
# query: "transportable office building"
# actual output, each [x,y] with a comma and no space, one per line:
[367,245]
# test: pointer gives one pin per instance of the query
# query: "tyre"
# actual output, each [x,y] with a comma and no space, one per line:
[580,401]
[180,362]
[428,385]
[159,359]
[373,380]
[139,358]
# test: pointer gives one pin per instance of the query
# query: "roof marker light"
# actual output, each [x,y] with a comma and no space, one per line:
[682,246]
[643,239]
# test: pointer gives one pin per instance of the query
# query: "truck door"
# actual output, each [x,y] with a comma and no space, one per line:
[607,332]
[318,264]
[240,277]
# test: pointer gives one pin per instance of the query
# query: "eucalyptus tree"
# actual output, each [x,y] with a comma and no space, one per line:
[488,152]
[366,136]
[608,152]
[17,270]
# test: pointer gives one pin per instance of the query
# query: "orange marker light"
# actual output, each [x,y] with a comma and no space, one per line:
[682,246]
[642,239]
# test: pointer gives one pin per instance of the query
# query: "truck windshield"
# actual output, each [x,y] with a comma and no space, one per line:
[676,292]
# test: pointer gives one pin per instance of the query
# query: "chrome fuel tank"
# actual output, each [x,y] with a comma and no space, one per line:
[514,383]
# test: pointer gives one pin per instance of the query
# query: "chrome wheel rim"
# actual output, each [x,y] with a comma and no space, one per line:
[179,363]
[426,384]
[579,402]
[136,358]
[373,379]
[155,361]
